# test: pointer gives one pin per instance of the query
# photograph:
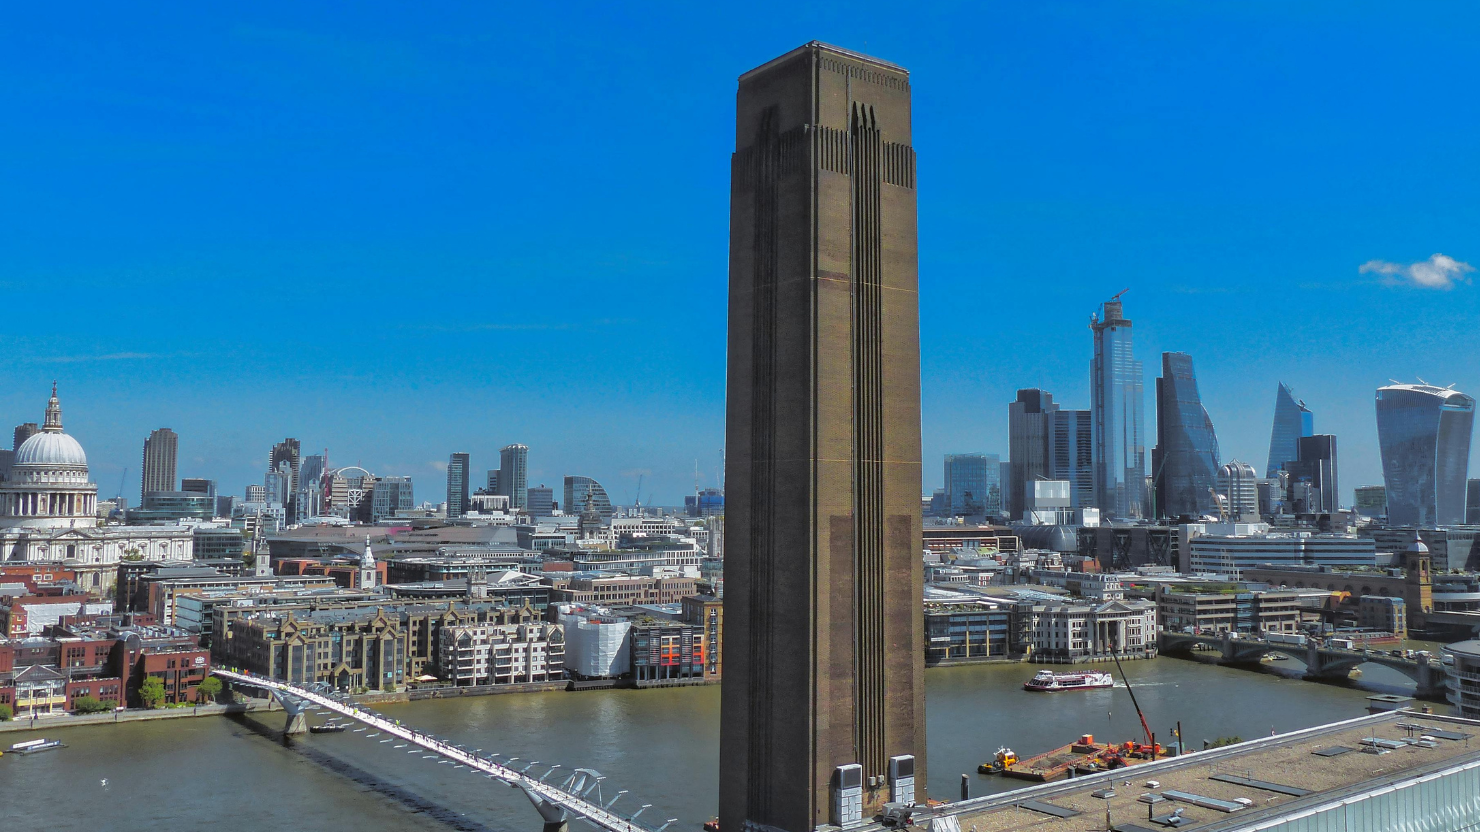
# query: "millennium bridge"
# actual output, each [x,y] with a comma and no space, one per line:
[1321,663]
[555,803]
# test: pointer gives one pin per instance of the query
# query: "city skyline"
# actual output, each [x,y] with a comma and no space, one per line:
[1305,222]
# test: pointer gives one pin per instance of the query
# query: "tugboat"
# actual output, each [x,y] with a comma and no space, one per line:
[1003,761]
[1047,680]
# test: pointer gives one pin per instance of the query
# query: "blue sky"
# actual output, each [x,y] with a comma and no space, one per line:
[402,230]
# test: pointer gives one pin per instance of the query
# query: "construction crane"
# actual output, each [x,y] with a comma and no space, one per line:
[121,480]
[1150,740]
[1116,296]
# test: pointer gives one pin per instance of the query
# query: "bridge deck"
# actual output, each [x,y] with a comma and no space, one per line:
[595,813]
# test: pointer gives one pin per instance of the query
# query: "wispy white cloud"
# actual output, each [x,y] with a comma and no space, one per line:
[1438,272]
[438,465]
[112,356]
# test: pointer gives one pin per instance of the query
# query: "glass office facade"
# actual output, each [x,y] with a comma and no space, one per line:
[1117,396]
[1424,434]
[457,485]
[1071,454]
[1292,420]
[1184,465]
[576,489]
[973,484]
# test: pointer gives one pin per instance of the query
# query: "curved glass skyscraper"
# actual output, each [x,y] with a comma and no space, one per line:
[1184,464]
[1424,432]
[576,489]
[1116,399]
[1292,420]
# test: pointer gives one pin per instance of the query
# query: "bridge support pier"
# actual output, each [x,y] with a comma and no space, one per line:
[553,814]
[295,709]
[1432,682]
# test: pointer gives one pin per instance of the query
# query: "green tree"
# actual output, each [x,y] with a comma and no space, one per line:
[208,690]
[5,712]
[90,705]
[1222,741]
[151,693]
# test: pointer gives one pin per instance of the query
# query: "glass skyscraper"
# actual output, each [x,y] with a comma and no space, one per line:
[1424,433]
[1116,399]
[1292,420]
[1071,454]
[974,484]
[513,474]
[457,485]
[1184,464]
[576,491]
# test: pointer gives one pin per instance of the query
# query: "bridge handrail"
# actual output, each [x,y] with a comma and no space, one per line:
[592,812]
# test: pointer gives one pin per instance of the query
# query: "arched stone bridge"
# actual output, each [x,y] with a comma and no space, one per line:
[1325,663]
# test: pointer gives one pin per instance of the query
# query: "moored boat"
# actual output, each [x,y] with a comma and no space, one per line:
[33,746]
[328,728]
[1047,680]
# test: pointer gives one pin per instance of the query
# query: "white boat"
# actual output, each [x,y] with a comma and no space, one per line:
[1047,680]
[33,746]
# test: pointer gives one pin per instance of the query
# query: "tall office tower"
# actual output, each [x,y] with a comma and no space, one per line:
[159,462]
[457,485]
[1071,454]
[1292,420]
[1472,503]
[493,481]
[972,487]
[1116,399]
[1184,463]
[1313,475]
[1239,486]
[1424,434]
[284,459]
[310,494]
[1371,500]
[1028,440]
[513,474]
[256,494]
[24,432]
[541,501]
[823,707]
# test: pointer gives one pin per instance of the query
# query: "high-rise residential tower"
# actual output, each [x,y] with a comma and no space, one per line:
[23,432]
[1292,420]
[1472,503]
[1029,435]
[160,450]
[1117,396]
[823,706]
[457,485]
[1184,463]
[1424,434]
[513,474]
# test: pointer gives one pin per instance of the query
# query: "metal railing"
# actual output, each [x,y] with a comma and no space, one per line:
[553,802]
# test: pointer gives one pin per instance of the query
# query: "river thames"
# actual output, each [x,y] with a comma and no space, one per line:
[660,745]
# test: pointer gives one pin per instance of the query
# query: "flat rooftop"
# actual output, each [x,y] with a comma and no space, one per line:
[1278,775]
